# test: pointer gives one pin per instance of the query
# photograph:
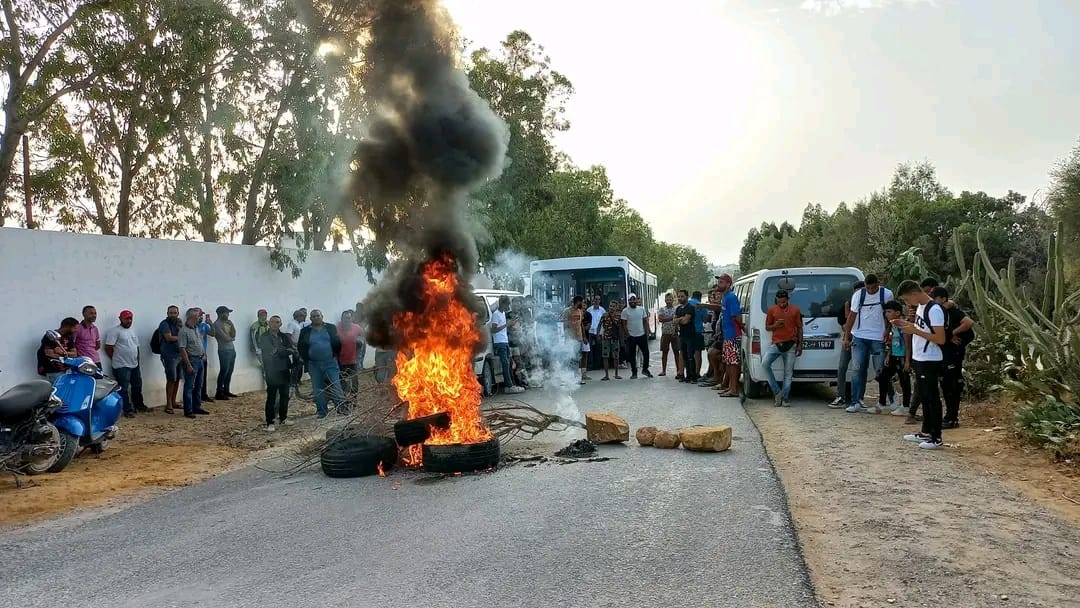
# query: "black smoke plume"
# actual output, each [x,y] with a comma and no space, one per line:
[431,142]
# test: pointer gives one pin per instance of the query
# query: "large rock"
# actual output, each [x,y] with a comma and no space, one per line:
[645,435]
[601,427]
[666,440]
[706,438]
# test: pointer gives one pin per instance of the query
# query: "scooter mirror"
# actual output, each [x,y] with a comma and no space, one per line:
[88,368]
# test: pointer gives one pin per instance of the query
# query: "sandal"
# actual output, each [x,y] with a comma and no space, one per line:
[169,410]
[605,378]
[661,374]
[618,377]
[678,376]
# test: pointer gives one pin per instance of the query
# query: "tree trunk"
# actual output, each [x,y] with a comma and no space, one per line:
[9,146]
[208,212]
[252,227]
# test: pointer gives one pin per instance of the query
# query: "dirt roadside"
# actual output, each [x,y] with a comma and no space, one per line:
[883,523]
[157,451]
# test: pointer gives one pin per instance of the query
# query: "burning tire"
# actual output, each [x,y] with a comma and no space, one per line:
[417,430]
[358,456]
[461,457]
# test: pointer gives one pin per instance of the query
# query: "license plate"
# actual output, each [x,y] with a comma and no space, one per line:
[819,344]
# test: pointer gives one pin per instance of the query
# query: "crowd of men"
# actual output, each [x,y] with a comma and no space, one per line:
[332,355]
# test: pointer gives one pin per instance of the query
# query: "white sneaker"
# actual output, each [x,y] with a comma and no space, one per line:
[900,411]
[878,409]
[853,408]
[270,428]
[916,438]
[931,445]
[513,390]
[287,422]
[892,403]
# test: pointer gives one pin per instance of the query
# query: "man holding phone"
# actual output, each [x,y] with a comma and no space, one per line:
[927,337]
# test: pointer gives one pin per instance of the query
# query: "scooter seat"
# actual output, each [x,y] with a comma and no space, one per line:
[103,387]
[22,398]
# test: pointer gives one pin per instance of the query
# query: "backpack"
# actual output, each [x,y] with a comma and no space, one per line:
[862,300]
[155,342]
[926,320]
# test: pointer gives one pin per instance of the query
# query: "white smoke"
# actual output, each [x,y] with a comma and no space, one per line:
[556,357]
[509,270]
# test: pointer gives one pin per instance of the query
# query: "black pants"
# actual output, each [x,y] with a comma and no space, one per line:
[688,345]
[638,343]
[952,387]
[596,358]
[277,402]
[927,378]
[894,368]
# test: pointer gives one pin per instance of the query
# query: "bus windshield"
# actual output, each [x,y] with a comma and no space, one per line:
[816,295]
[560,286]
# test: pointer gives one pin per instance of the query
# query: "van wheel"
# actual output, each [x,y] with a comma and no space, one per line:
[487,379]
[751,389]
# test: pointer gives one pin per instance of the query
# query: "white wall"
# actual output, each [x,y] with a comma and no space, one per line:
[46,276]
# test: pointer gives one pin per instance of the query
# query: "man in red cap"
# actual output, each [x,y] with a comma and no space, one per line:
[122,347]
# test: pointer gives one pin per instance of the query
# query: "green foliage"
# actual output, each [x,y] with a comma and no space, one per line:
[1053,425]
[1064,200]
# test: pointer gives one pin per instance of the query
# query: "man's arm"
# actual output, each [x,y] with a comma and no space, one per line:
[646,322]
[166,332]
[110,342]
[184,356]
[770,321]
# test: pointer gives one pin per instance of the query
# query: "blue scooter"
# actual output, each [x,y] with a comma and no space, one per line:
[91,407]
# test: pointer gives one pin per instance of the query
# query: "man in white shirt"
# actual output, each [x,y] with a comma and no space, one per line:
[501,343]
[122,347]
[636,321]
[597,311]
[927,337]
[865,333]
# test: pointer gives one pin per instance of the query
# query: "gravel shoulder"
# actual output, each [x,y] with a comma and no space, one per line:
[883,523]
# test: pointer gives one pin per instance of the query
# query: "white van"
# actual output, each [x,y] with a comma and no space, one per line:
[486,365]
[820,294]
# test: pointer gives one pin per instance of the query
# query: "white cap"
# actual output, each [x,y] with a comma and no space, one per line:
[633,295]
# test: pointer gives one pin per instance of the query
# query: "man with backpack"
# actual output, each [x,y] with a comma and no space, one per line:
[165,342]
[927,337]
[958,334]
[865,332]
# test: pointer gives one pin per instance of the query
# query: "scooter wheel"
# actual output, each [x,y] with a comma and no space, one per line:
[69,446]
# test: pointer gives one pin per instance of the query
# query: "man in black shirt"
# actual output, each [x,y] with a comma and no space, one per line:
[958,334]
[688,336]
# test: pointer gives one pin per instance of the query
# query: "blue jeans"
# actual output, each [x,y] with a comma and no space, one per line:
[130,381]
[325,378]
[502,351]
[863,353]
[227,363]
[193,385]
[789,369]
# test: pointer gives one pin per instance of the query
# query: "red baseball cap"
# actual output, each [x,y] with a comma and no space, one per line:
[126,314]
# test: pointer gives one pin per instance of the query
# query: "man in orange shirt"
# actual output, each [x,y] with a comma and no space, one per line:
[784,320]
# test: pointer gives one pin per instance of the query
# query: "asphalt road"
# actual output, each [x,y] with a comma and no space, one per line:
[650,527]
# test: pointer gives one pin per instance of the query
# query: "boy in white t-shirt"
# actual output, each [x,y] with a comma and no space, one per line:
[927,336]
[865,334]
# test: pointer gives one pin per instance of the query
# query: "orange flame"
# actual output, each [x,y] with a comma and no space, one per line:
[382,473]
[435,360]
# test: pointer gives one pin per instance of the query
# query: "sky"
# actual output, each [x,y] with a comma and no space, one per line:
[718,115]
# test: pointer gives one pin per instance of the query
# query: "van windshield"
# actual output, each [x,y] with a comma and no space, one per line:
[816,295]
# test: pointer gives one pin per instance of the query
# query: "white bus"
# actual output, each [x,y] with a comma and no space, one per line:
[610,276]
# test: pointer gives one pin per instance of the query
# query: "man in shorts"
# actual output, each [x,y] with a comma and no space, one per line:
[577,325]
[611,338]
[669,337]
